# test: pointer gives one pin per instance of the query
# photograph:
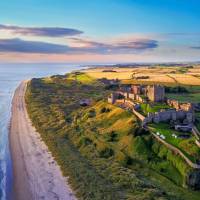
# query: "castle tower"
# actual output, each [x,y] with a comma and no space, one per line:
[136,89]
[156,93]
[112,98]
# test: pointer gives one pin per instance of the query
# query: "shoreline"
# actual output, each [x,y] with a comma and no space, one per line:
[36,175]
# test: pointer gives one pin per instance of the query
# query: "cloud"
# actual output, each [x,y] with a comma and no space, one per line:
[119,47]
[21,46]
[195,47]
[41,31]
[85,47]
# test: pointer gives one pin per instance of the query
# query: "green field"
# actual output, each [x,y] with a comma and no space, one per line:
[101,147]
[152,108]
[191,97]
[187,146]
[193,94]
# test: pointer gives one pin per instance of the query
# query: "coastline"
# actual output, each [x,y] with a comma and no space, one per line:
[36,174]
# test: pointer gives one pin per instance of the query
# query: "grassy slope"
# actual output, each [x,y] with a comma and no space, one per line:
[98,148]
[187,146]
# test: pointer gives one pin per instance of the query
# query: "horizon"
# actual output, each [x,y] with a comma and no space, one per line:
[104,63]
[164,31]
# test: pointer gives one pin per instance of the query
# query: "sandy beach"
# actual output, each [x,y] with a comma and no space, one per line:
[36,174]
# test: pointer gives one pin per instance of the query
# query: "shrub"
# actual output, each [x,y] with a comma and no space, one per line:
[85,141]
[106,153]
[177,89]
[139,131]
[69,120]
[112,136]
[103,110]
[91,113]
[142,77]
[123,159]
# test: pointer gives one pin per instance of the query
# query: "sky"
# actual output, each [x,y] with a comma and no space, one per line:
[99,31]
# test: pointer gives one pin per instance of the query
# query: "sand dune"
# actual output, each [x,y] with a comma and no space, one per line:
[36,174]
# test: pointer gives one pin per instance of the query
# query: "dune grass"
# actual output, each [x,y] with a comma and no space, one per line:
[101,147]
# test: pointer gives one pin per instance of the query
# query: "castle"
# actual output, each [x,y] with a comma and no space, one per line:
[155,93]
[141,93]
[132,96]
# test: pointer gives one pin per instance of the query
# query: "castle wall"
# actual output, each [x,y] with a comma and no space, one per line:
[132,96]
[167,115]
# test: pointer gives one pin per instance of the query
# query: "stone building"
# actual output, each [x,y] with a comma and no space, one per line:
[178,105]
[136,89]
[114,96]
[155,93]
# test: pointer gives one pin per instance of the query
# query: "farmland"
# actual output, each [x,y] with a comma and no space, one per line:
[166,75]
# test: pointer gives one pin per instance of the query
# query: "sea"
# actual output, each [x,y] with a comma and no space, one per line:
[10,77]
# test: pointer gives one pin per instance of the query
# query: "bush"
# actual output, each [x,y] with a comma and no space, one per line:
[139,131]
[91,113]
[104,110]
[85,141]
[111,87]
[112,136]
[123,159]
[177,89]
[106,153]
[142,77]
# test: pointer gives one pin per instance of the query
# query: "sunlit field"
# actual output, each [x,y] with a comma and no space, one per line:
[158,74]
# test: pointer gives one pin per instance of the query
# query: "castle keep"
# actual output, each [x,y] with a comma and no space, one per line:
[141,93]
[156,93]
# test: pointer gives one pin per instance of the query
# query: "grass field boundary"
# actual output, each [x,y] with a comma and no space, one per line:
[177,151]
